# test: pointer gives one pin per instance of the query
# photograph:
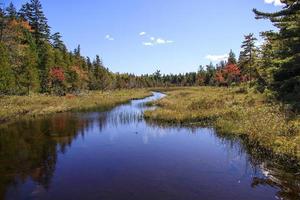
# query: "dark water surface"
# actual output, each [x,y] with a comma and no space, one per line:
[118,155]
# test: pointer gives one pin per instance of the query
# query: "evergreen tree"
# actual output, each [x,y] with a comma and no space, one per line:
[46,63]
[246,59]
[286,47]
[33,13]
[11,11]
[265,66]
[89,64]
[232,58]
[6,73]
[2,22]
[77,52]
[28,75]
[57,42]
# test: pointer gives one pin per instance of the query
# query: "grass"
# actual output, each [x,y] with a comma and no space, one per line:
[233,111]
[15,107]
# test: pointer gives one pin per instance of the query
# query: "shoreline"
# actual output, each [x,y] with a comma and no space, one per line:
[14,108]
[232,113]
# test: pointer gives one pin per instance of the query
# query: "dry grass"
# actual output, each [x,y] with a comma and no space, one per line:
[14,107]
[232,111]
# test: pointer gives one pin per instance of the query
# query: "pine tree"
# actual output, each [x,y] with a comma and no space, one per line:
[232,58]
[29,79]
[2,22]
[6,73]
[11,11]
[247,55]
[33,13]
[286,47]
[46,62]
[89,64]
[57,42]
[77,52]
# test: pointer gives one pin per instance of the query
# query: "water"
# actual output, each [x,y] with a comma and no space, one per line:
[118,155]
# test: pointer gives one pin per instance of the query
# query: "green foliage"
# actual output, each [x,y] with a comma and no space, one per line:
[6,74]
[33,13]
[232,58]
[283,51]
[247,57]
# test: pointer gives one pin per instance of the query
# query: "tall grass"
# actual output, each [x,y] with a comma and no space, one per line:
[14,107]
[233,111]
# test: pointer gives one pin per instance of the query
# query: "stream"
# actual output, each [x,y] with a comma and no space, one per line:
[116,154]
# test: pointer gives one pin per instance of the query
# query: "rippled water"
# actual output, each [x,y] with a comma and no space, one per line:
[116,154]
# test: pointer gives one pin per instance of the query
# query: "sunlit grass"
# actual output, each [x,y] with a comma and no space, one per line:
[14,107]
[233,111]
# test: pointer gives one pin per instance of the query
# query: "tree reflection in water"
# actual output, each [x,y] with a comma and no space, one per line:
[29,149]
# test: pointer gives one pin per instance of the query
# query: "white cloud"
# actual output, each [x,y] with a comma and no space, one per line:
[160,41]
[147,44]
[275,2]
[142,33]
[156,41]
[108,37]
[217,58]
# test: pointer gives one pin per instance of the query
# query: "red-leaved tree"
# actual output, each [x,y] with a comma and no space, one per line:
[57,78]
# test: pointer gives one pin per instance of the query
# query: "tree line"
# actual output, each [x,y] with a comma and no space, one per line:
[34,60]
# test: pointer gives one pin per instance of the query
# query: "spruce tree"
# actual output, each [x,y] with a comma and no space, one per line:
[6,73]
[286,47]
[77,51]
[232,58]
[11,11]
[246,59]
[57,42]
[33,13]
[2,22]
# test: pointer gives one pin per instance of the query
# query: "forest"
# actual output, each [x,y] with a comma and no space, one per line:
[71,128]
[35,60]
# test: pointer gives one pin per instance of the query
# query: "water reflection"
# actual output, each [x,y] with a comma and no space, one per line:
[116,154]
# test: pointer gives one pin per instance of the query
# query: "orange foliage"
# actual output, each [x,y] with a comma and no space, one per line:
[229,74]
[57,74]
[219,77]
[232,70]
[82,74]
[20,24]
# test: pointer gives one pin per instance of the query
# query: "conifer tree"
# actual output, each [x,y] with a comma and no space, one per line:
[57,42]
[246,59]
[77,51]
[286,47]
[6,73]
[2,22]
[33,13]
[11,11]
[232,58]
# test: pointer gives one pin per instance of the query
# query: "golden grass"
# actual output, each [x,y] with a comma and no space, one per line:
[14,107]
[232,111]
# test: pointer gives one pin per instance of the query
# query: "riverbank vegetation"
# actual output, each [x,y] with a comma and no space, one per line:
[257,95]
[34,60]
[235,111]
[14,107]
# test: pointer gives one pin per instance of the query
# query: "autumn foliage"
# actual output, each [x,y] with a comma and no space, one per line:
[57,74]
[231,73]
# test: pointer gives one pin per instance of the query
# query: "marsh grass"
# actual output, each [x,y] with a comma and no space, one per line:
[233,111]
[15,107]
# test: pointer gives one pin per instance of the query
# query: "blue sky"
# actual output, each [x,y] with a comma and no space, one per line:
[141,36]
